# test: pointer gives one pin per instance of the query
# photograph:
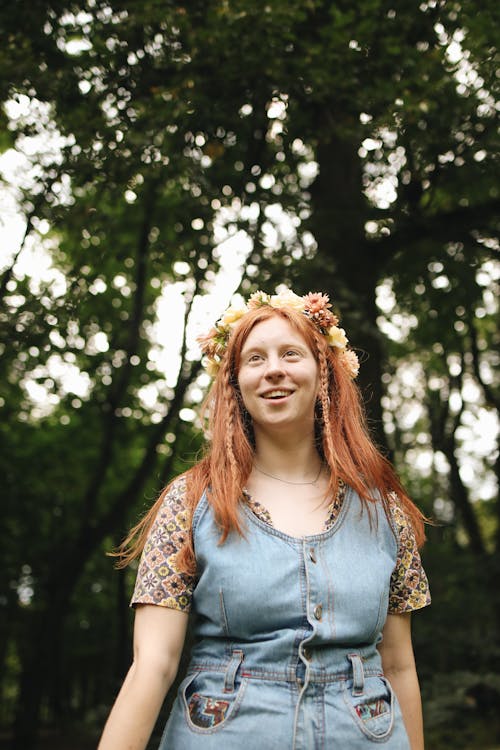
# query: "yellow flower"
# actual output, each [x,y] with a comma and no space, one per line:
[212,367]
[288,299]
[233,314]
[337,337]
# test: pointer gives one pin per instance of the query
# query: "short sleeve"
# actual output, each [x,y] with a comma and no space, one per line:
[409,587]
[159,579]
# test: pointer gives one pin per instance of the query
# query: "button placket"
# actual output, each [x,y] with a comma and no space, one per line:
[315,606]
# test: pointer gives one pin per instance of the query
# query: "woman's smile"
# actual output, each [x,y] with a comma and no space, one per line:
[277,394]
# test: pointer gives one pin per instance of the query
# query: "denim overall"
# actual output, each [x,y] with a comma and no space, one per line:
[286,629]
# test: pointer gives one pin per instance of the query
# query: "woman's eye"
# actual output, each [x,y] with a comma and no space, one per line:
[291,353]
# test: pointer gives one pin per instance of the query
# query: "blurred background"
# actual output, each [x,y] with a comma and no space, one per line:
[159,157]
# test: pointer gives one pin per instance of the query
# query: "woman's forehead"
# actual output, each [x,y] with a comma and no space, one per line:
[275,330]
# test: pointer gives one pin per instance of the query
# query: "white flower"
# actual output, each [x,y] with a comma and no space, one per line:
[258,299]
[337,337]
[288,299]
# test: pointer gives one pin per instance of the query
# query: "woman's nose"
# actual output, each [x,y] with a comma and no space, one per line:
[274,367]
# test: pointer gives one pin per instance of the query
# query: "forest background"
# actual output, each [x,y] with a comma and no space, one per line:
[159,156]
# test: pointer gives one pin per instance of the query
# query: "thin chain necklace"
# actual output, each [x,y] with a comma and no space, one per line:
[287,481]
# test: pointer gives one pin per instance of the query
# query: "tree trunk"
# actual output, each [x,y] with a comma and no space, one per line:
[460,497]
[37,663]
[442,429]
[351,266]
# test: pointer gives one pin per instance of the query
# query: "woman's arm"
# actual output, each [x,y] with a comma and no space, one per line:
[398,664]
[159,635]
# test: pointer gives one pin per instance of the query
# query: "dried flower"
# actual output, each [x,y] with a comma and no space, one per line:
[350,361]
[315,302]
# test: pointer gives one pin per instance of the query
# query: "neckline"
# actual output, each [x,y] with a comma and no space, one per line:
[271,529]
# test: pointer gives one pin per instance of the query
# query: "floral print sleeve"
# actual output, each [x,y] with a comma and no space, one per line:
[409,588]
[159,580]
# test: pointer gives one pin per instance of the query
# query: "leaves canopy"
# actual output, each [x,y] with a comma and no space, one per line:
[355,147]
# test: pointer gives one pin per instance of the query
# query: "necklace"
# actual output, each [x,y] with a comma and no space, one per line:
[287,481]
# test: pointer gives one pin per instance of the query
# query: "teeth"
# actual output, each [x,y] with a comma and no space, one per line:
[277,394]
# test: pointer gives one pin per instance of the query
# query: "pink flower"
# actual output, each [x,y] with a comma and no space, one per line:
[317,307]
[315,301]
[350,361]
[207,342]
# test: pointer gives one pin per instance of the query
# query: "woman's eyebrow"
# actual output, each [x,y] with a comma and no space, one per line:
[282,346]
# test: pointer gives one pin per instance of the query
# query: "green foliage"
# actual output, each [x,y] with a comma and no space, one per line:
[355,146]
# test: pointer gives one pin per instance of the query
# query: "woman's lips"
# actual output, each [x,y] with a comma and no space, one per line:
[277,394]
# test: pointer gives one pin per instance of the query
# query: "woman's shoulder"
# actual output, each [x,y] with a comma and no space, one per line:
[400,519]
[177,487]
[183,500]
[174,501]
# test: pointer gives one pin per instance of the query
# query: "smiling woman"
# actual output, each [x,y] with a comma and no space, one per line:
[278,378]
[294,545]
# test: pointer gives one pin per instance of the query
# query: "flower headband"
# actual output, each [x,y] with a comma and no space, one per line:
[315,306]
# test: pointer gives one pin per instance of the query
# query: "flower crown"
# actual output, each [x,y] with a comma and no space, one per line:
[315,306]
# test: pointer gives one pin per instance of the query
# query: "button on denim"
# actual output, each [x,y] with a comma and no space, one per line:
[286,631]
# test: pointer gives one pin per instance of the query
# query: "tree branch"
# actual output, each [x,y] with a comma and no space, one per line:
[490,396]
[443,227]
[37,203]
[119,388]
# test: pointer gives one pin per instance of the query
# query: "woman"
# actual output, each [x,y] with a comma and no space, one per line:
[294,545]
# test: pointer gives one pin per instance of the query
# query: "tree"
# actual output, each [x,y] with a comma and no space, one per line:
[353,146]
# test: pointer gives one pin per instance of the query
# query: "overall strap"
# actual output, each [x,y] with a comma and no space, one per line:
[232,668]
[358,674]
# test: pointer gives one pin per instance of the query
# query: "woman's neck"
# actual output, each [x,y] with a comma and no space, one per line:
[294,458]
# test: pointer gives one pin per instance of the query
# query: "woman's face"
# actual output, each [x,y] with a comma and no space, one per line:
[278,377]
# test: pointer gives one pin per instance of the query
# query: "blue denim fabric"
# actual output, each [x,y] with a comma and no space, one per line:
[286,629]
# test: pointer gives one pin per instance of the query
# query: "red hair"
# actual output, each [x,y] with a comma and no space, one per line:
[343,442]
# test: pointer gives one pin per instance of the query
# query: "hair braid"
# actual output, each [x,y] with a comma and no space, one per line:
[231,405]
[230,454]
[328,447]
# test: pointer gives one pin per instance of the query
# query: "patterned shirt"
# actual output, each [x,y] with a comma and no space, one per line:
[159,580]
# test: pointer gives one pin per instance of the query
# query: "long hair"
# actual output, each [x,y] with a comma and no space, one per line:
[343,442]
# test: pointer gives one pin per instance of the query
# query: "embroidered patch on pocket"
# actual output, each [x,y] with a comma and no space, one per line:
[206,712]
[371,710]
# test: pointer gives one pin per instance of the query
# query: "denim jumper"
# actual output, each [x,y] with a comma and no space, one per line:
[286,629]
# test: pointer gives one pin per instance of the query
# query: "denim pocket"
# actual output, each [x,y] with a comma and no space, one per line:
[207,707]
[373,710]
